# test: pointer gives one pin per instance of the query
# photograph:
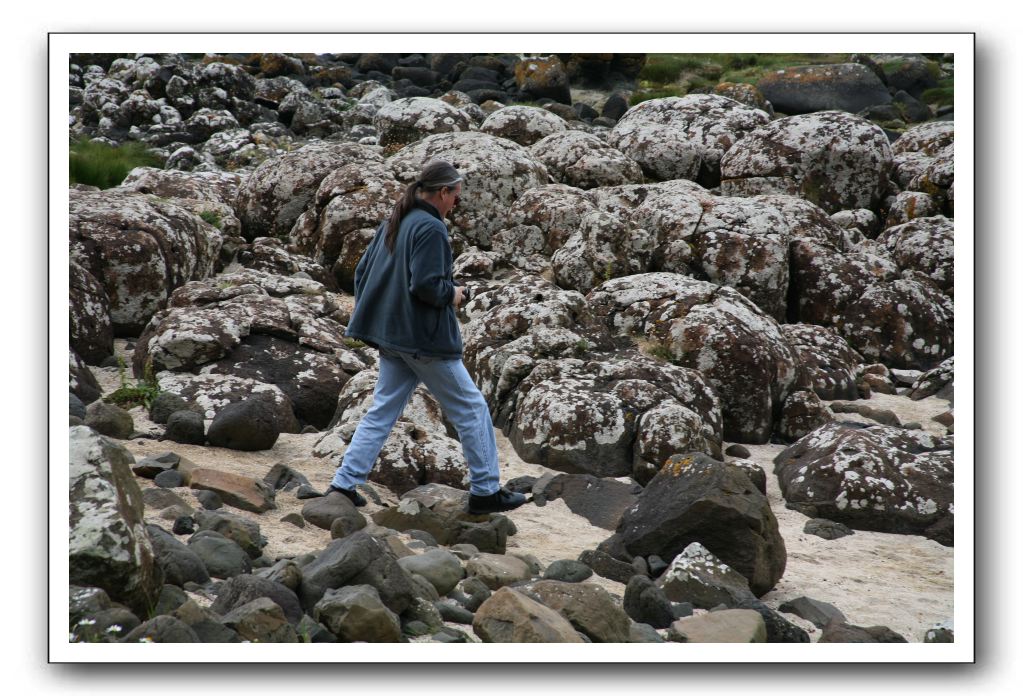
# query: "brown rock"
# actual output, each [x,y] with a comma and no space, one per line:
[725,626]
[241,492]
[510,617]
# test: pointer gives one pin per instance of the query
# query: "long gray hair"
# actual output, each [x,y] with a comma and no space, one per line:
[436,175]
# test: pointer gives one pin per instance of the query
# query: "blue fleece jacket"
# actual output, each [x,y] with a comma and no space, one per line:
[403,299]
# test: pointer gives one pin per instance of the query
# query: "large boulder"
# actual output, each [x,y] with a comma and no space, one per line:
[684,137]
[348,207]
[802,89]
[242,589]
[179,563]
[831,158]
[738,349]
[92,334]
[588,607]
[405,121]
[248,425]
[281,188]
[904,324]
[108,544]
[878,478]
[212,393]
[523,124]
[830,365]
[139,248]
[495,171]
[925,245]
[214,187]
[584,160]
[355,613]
[694,498]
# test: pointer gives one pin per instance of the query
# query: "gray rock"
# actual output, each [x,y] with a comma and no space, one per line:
[826,529]
[186,427]
[242,531]
[297,520]
[820,614]
[737,450]
[644,633]
[180,564]
[160,498]
[841,632]
[440,567]
[154,464]
[509,616]
[451,611]
[588,607]
[249,425]
[171,597]
[724,626]
[209,500]
[283,477]
[162,629]
[607,566]
[356,613]
[646,603]
[778,629]
[110,420]
[242,589]
[108,544]
[942,632]
[808,88]
[497,570]
[601,501]
[76,407]
[164,405]
[172,478]
[568,570]
[311,631]
[222,557]
[700,578]
[261,620]
[206,624]
[323,511]
[471,593]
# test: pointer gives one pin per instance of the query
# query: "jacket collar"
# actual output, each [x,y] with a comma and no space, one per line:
[420,203]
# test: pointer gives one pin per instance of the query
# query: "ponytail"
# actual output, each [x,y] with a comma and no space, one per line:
[436,175]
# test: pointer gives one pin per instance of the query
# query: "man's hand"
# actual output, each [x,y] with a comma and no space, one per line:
[457,300]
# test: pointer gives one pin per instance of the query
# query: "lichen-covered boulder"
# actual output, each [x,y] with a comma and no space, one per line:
[927,138]
[139,248]
[92,334]
[925,245]
[684,137]
[281,188]
[904,324]
[81,382]
[418,449]
[523,124]
[350,204]
[831,158]
[878,478]
[233,79]
[282,333]
[584,160]
[938,381]
[272,256]
[825,281]
[215,187]
[108,544]
[495,173]
[806,88]
[802,413]
[830,365]
[739,349]
[543,77]
[910,205]
[405,121]
[211,393]
[694,498]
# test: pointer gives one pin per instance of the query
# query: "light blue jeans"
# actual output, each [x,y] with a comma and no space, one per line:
[461,400]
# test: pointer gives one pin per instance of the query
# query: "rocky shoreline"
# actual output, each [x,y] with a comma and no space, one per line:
[716,339]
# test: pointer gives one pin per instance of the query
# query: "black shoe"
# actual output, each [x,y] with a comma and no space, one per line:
[352,495]
[495,502]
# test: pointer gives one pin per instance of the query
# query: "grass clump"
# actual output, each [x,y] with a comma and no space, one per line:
[354,343]
[212,218]
[140,394]
[99,164]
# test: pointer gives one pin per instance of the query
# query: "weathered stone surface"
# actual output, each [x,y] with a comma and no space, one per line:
[939,381]
[92,334]
[684,137]
[698,577]
[739,350]
[831,158]
[206,624]
[876,478]
[261,621]
[826,529]
[588,607]
[236,490]
[248,425]
[601,501]
[807,88]
[724,626]
[829,365]
[585,161]
[841,632]
[440,567]
[214,187]
[694,498]
[802,413]
[543,76]
[241,590]
[222,557]
[162,629]
[925,245]
[497,570]
[903,324]
[179,563]
[820,614]
[109,419]
[356,613]
[242,531]
[324,511]
[139,249]
[405,121]
[108,544]
[910,205]
[281,188]
[646,603]
[509,616]
[496,172]
[523,124]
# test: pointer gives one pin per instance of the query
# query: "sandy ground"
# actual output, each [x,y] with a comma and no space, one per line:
[900,581]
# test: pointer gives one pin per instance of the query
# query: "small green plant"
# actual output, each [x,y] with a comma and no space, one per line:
[212,218]
[99,164]
[354,343]
[581,346]
[139,394]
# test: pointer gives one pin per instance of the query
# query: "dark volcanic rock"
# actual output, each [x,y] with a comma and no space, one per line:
[803,89]
[694,498]
[248,425]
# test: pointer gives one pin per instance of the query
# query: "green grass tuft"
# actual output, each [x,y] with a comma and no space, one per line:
[211,217]
[140,394]
[99,164]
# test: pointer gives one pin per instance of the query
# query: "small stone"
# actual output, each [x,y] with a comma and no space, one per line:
[110,420]
[737,451]
[568,570]
[169,479]
[656,564]
[826,529]
[209,500]
[942,632]
[295,519]
[165,404]
[305,492]
[422,536]
[820,614]
[186,427]
[451,611]
[183,525]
